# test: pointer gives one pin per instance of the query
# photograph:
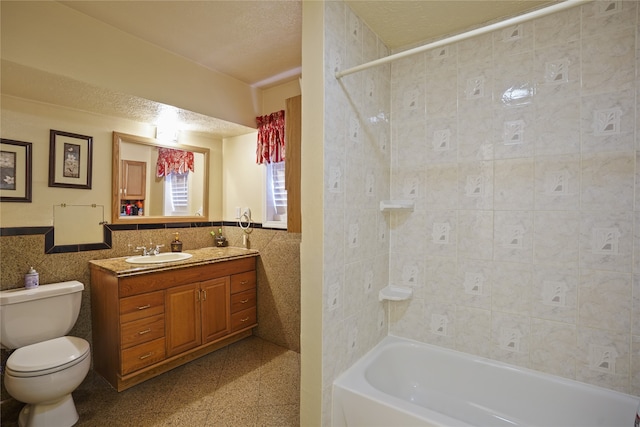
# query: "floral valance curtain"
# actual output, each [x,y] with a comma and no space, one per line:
[270,138]
[171,161]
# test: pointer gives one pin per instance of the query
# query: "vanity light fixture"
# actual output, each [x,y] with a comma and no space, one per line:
[167,133]
[168,125]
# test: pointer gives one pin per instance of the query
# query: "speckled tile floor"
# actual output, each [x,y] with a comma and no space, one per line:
[249,383]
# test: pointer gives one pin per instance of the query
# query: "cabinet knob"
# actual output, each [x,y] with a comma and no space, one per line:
[244,282]
[244,320]
[244,301]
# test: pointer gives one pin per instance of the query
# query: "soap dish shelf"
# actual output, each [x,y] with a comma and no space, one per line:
[395,205]
[395,293]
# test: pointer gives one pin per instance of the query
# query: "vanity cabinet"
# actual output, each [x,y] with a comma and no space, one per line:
[147,323]
[197,314]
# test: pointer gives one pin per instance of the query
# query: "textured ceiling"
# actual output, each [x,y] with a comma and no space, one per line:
[403,23]
[29,83]
[260,42]
[256,42]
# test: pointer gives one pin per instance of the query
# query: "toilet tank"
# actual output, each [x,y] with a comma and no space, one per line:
[28,316]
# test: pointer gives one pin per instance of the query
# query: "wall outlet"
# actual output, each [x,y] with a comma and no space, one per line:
[238,212]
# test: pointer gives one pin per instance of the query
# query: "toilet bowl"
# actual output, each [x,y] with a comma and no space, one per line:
[43,375]
[46,365]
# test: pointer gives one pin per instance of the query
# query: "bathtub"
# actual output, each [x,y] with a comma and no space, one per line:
[406,383]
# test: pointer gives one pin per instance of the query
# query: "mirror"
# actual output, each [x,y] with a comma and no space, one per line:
[78,224]
[139,196]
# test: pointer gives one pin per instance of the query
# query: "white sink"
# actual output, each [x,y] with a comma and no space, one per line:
[156,259]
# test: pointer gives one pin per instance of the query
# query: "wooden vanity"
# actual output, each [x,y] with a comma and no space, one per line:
[150,318]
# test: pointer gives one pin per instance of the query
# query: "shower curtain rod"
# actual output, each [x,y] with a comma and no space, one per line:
[491,27]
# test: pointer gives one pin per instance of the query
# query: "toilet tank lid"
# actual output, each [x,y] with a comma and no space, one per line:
[14,296]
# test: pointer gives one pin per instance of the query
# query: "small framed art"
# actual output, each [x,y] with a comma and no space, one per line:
[15,171]
[70,157]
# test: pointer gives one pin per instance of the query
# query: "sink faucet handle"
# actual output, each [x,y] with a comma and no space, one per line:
[153,249]
[143,249]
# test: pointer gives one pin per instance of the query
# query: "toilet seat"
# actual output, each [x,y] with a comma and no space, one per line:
[47,357]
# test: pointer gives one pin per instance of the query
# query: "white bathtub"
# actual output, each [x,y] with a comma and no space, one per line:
[406,383]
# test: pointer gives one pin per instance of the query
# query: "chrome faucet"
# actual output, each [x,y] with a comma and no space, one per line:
[151,251]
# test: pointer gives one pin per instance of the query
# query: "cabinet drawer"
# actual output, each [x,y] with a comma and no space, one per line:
[243,319]
[140,306]
[142,355]
[141,331]
[151,282]
[243,281]
[243,300]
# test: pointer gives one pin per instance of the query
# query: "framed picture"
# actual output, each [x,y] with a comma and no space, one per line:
[70,157]
[15,171]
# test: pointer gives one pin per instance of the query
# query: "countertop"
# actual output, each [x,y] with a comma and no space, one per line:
[203,256]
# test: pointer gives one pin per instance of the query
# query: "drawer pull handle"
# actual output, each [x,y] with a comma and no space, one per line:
[244,320]
[244,301]
[144,356]
[146,331]
[144,307]
[244,282]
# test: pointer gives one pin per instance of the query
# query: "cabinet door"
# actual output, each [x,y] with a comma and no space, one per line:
[134,180]
[216,321]
[182,318]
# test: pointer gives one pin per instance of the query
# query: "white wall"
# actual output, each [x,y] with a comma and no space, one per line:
[30,121]
[312,191]
[273,99]
[243,179]
[48,36]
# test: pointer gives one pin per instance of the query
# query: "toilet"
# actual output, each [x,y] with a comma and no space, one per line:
[46,365]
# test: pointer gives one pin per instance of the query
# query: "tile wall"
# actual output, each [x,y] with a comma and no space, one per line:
[520,148]
[356,174]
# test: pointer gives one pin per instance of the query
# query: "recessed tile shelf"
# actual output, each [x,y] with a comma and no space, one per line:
[393,205]
[395,293]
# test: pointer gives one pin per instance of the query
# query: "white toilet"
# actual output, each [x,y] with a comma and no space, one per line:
[46,365]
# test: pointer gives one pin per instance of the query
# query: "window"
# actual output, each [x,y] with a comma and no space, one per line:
[276,196]
[176,190]
[281,204]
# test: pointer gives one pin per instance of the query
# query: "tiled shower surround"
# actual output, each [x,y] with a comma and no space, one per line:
[520,150]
